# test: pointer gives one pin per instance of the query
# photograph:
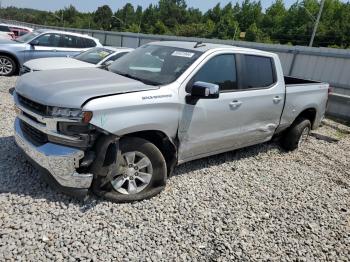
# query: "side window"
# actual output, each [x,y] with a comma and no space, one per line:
[4,28]
[80,42]
[115,57]
[15,31]
[70,41]
[259,71]
[22,33]
[52,40]
[89,43]
[55,40]
[44,40]
[220,70]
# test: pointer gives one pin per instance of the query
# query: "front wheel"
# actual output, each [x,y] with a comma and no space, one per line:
[7,66]
[297,134]
[141,174]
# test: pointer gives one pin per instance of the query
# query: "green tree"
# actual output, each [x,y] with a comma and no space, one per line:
[272,22]
[249,13]
[149,19]
[227,27]
[160,28]
[103,17]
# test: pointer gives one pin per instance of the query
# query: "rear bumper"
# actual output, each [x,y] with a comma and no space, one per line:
[58,163]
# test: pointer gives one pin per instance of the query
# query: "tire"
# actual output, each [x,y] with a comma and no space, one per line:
[8,66]
[120,187]
[296,134]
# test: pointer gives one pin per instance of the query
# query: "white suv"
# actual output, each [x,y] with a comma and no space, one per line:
[39,44]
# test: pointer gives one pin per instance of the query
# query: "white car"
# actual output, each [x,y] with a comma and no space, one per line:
[5,32]
[41,43]
[99,57]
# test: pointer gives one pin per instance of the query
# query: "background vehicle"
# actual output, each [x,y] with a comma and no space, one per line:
[99,57]
[5,32]
[38,44]
[20,30]
[121,132]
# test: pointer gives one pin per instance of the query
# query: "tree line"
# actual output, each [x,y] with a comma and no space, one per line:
[240,21]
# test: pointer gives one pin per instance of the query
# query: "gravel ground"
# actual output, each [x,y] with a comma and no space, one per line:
[259,203]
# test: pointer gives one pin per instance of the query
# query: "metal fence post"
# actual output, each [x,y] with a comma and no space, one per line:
[105,39]
[295,53]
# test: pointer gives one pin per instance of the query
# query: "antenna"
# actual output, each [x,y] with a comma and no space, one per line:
[199,44]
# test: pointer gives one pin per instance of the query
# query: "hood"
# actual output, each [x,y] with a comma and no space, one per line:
[72,87]
[52,63]
[10,45]
[5,40]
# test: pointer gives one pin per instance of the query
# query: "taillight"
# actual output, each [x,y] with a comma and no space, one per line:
[330,90]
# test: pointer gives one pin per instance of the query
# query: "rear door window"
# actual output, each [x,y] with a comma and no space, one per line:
[89,43]
[259,72]
[70,41]
[220,70]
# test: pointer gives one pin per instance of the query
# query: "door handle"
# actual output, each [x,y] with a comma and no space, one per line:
[54,50]
[277,99]
[235,104]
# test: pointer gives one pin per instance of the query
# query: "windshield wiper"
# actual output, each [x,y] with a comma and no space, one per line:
[145,81]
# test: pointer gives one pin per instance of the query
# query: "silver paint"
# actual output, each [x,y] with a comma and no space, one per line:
[72,87]
[236,119]
[60,161]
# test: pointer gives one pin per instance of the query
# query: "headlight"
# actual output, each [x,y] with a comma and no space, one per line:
[66,112]
[84,116]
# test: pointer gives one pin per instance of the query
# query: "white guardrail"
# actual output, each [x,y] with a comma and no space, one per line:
[322,64]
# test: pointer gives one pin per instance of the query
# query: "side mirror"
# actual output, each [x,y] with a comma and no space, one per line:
[205,90]
[34,43]
[108,63]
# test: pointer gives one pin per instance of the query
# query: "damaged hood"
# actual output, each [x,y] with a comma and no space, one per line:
[72,87]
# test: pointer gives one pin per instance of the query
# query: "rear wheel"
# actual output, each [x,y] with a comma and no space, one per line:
[141,173]
[7,66]
[297,134]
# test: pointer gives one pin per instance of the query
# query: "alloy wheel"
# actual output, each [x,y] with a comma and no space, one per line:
[6,66]
[135,173]
[304,136]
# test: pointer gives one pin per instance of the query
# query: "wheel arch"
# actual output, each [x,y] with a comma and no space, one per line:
[310,114]
[14,57]
[164,143]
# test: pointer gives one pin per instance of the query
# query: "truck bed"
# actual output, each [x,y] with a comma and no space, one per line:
[301,95]
[288,80]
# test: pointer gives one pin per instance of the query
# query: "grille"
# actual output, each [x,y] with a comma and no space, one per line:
[36,136]
[33,106]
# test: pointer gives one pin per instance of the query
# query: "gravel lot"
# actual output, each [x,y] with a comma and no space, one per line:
[259,203]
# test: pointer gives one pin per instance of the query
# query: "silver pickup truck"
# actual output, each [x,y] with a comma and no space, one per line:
[120,133]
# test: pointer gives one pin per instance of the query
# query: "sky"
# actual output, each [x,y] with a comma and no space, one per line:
[91,5]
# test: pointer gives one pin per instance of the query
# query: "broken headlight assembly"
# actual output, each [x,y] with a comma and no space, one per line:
[71,113]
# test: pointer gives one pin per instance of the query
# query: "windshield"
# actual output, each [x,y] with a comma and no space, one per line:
[94,56]
[27,37]
[153,64]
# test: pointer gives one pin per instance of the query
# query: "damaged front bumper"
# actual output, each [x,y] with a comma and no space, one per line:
[58,163]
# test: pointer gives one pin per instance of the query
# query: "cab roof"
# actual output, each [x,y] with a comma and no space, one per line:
[204,47]
[64,32]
